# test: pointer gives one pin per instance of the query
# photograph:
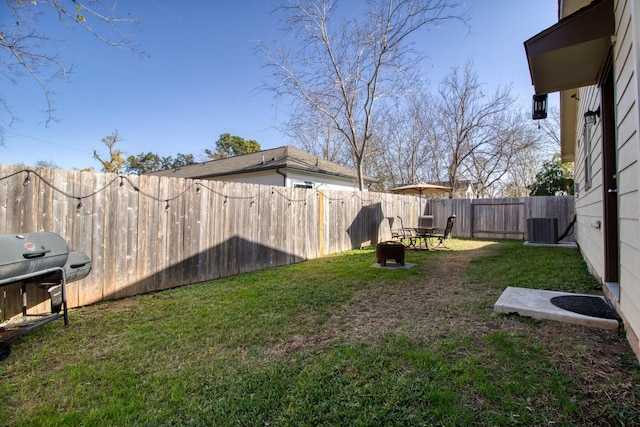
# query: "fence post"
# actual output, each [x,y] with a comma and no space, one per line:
[320,223]
[471,218]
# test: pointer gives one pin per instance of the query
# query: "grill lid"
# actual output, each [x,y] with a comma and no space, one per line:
[78,266]
[22,254]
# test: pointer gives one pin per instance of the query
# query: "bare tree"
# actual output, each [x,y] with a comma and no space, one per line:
[312,132]
[346,72]
[403,142]
[550,127]
[485,140]
[25,50]
[510,146]
[540,140]
[469,135]
[521,175]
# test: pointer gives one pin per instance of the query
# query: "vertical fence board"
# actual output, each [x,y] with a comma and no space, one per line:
[146,242]
[176,232]
[73,236]
[131,213]
[191,245]
[201,233]
[214,210]
[46,200]
[93,288]
[30,209]
[154,227]
[10,298]
[5,171]
[253,220]
[87,290]
[224,227]
[113,247]
[240,205]
[263,230]
[312,226]
[161,254]
[281,209]
[15,200]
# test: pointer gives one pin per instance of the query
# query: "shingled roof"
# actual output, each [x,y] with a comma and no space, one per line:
[276,158]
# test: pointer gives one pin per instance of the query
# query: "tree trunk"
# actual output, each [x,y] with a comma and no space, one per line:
[360,174]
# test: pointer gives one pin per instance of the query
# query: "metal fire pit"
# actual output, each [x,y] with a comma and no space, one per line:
[40,259]
[390,250]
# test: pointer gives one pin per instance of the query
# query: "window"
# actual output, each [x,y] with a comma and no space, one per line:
[306,184]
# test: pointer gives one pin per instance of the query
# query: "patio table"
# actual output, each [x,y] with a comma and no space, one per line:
[418,237]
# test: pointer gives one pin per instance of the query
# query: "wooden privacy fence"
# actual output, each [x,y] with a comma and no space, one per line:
[148,233]
[503,218]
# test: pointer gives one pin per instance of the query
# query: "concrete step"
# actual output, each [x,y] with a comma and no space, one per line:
[537,304]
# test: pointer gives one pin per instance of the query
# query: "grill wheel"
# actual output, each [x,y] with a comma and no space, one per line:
[5,349]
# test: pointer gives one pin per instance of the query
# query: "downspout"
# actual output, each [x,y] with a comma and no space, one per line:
[286,154]
[284,182]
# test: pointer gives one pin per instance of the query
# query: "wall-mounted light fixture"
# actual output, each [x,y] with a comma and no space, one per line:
[539,107]
[590,117]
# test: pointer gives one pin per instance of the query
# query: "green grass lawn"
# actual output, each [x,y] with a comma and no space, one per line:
[332,341]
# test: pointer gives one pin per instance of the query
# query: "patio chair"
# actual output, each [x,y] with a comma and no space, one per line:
[396,233]
[400,233]
[425,221]
[442,234]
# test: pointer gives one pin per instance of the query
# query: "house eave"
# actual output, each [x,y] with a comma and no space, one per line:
[569,55]
[285,169]
[572,53]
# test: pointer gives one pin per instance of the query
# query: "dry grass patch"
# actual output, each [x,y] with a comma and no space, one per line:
[436,301]
[454,317]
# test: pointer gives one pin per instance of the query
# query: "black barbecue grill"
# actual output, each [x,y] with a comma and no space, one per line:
[42,260]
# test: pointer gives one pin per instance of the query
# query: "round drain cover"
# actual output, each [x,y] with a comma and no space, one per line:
[586,305]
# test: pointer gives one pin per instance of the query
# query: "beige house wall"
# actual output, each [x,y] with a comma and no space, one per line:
[589,205]
[271,177]
[627,66]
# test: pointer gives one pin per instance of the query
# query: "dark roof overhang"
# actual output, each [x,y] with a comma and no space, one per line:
[569,55]
[572,53]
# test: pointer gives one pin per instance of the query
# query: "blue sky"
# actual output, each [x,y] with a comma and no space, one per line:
[200,75]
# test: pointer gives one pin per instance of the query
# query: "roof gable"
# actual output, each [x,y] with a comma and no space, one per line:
[276,158]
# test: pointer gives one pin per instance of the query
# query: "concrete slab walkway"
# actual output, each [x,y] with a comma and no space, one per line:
[567,245]
[393,265]
[537,304]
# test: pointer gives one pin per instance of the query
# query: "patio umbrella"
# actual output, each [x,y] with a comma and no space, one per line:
[421,188]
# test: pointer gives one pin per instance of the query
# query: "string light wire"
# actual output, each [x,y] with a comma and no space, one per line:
[198,186]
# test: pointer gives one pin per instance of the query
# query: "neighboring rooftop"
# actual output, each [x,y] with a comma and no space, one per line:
[276,158]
